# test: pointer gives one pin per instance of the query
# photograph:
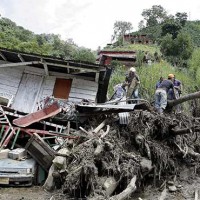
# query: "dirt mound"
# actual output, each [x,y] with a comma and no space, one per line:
[113,161]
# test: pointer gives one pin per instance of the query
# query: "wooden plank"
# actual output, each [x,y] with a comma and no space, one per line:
[47,87]
[78,82]
[18,64]
[37,96]
[61,75]
[46,69]
[73,99]
[83,91]
[6,79]
[85,87]
[12,72]
[27,92]
[34,70]
[83,96]
[20,57]
[97,77]
[46,93]
[11,83]
[8,89]
[40,151]
[89,68]
[4,58]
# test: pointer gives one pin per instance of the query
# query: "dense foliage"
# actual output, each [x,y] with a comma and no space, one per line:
[17,38]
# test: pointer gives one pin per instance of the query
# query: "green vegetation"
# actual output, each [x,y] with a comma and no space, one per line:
[135,47]
[17,38]
[176,41]
[149,75]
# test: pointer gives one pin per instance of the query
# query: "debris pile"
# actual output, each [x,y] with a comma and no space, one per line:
[97,158]
[113,162]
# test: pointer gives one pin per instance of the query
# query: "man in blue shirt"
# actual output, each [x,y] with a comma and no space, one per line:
[161,93]
[159,82]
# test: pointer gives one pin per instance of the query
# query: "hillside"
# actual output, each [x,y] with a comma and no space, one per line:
[191,27]
[16,37]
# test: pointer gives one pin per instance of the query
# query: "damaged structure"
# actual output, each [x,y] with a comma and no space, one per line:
[69,138]
[36,87]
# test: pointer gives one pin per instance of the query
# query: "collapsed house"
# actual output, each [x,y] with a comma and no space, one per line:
[79,143]
[27,78]
[31,82]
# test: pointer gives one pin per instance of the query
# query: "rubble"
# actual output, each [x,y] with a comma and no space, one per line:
[95,157]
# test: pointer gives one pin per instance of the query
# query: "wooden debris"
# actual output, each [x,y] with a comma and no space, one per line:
[163,194]
[127,192]
[98,128]
[110,185]
[196,197]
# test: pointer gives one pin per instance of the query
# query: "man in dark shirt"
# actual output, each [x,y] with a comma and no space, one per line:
[178,89]
[159,82]
[161,93]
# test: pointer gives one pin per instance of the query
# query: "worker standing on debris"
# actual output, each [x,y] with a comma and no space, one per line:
[161,93]
[132,81]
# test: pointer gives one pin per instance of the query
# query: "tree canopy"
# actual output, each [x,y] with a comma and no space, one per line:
[17,38]
[155,15]
[120,28]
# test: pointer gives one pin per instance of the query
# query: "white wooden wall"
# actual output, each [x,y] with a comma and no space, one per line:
[10,79]
[80,89]
[83,89]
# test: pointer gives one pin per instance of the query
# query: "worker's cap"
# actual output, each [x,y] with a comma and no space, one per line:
[170,75]
[132,69]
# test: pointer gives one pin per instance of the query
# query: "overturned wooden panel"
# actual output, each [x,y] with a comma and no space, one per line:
[27,93]
[40,151]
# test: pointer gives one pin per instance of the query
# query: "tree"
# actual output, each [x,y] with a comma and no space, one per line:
[83,54]
[141,25]
[120,28]
[172,27]
[178,50]
[155,15]
[181,18]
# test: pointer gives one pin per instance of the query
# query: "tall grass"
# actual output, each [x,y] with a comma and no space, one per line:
[118,76]
[136,47]
[149,75]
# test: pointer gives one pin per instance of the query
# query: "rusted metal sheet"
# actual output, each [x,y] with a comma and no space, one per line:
[46,112]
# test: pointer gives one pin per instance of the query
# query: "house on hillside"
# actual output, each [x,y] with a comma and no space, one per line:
[137,39]
[26,79]
[126,58]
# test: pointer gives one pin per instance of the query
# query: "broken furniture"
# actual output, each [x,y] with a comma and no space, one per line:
[40,151]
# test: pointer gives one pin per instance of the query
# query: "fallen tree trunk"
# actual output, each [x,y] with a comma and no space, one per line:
[171,103]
